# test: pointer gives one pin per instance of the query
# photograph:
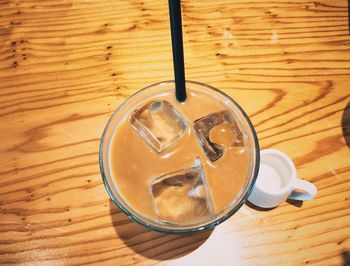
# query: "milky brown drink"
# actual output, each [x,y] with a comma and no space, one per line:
[179,162]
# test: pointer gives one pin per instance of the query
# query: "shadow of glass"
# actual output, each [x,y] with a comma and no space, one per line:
[345,124]
[151,244]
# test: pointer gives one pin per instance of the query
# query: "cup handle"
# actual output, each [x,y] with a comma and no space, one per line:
[309,190]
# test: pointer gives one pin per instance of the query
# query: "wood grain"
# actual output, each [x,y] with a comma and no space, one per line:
[65,65]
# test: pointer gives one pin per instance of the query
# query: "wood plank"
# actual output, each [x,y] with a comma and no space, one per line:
[66,65]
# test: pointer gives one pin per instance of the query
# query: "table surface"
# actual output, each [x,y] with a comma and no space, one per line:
[66,65]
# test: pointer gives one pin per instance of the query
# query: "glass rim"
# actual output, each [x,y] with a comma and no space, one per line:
[200,228]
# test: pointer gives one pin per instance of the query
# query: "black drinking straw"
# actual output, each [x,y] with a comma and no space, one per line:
[178,51]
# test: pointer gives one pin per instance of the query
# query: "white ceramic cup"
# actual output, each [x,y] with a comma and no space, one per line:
[277,181]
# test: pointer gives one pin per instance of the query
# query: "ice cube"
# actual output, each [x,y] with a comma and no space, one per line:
[159,124]
[182,197]
[216,132]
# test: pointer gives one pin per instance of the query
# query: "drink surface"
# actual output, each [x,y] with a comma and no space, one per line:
[134,163]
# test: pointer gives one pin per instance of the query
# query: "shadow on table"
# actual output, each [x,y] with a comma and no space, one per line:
[345,124]
[295,203]
[346,258]
[151,244]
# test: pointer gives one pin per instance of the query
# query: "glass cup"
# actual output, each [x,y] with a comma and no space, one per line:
[151,92]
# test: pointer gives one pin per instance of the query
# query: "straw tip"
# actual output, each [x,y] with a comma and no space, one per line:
[181,97]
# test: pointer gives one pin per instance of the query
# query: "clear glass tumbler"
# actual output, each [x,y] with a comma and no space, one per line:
[151,92]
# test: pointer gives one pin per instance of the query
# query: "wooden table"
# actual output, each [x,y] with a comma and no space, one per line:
[65,65]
